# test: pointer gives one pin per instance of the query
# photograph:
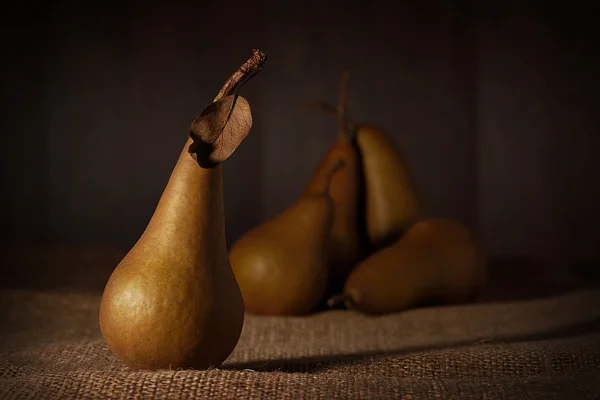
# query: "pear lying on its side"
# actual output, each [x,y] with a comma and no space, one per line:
[436,261]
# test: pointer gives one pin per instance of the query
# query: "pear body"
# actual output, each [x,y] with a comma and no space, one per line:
[436,261]
[344,247]
[173,301]
[391,200]
[282,264]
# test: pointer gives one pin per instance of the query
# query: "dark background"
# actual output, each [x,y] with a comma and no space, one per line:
[494,107]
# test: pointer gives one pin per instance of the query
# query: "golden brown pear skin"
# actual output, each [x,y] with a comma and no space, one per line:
[392,203]
[344,241]
[436,261]
[173,301]
[282,265]
[344,247]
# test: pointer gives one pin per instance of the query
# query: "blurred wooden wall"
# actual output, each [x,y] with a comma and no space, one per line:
[494,108]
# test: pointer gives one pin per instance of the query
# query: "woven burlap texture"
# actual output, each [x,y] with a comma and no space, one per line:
[51,347]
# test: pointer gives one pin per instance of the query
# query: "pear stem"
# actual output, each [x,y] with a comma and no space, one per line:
[347,298]
[243,74]
[336,300]
[234,83]
[328,109]
[342,107]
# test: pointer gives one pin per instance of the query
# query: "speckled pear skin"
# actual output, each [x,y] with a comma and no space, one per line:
[173,301]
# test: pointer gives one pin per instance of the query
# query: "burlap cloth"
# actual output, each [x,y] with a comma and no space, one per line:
[548,348]
[51,347]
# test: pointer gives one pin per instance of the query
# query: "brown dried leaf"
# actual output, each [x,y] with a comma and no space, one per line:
[219,130]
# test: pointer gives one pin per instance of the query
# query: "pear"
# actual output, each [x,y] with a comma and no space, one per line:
[282,265]
[344,242]
[173,301]
[437,261]
[392,203]
[390,198]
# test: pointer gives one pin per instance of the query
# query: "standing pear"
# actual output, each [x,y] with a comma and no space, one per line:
[282,265]
[390,198]
[173,301]
[392,203]
[344,242]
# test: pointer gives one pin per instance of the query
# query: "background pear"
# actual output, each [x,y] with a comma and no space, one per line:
[436,261]
[389,199]
[344,249]
[282,265]
[392,203]
[173,301]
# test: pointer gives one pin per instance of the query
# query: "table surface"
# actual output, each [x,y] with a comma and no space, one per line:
[513,344]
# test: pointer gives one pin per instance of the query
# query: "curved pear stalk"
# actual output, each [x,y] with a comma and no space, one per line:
[173,301]
[351,125]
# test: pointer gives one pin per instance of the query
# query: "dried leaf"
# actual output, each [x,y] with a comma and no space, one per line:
[219,130]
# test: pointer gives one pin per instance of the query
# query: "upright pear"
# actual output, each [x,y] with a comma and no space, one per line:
[344,242]
[390,199]
[436,261]
[392,203]
[282,265]
[173,301]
